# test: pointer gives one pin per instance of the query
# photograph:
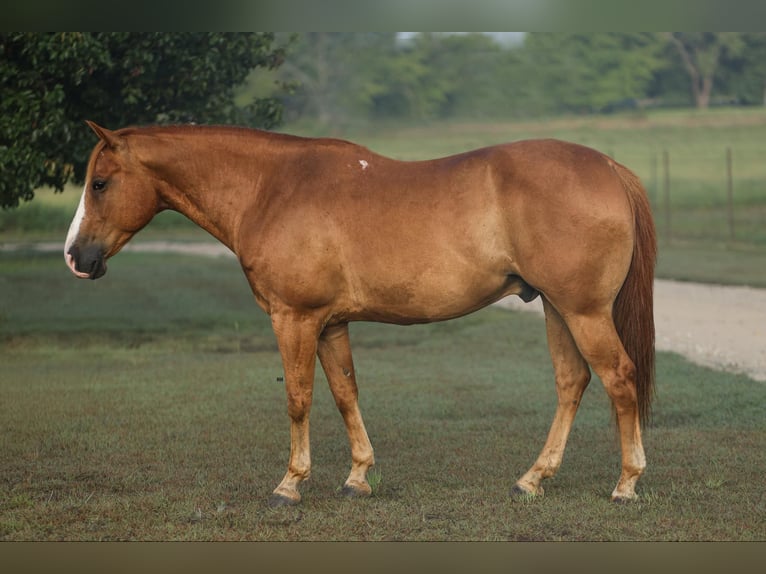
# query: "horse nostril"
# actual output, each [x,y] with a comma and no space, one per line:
[72,257]
[97,269]
[87,261]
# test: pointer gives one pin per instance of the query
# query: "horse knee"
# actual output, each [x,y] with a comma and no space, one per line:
[298,405]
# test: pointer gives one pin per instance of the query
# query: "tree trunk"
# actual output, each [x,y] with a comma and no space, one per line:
[701,79]
[703,93]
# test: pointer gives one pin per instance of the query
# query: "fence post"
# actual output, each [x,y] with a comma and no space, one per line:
[654,195]
[666,186]
[730,193]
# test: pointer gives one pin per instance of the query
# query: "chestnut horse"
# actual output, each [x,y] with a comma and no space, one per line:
[328,232]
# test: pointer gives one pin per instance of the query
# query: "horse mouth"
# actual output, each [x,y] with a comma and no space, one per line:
[86,263]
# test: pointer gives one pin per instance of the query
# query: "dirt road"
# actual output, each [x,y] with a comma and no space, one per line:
[711,325]
[716,326]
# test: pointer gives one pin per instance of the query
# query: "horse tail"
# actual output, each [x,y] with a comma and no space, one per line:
[633,309]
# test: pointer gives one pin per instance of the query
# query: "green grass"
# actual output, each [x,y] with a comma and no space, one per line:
[48,215]
[146,406]
[712,262]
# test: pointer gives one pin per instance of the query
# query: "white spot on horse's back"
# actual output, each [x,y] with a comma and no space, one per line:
[74,227]
[364,164]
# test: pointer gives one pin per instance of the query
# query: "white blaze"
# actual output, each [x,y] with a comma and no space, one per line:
[364,164]
[74,229]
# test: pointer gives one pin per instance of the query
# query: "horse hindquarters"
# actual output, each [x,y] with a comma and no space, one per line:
[614,336]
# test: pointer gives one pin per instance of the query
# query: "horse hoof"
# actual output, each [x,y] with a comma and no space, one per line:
[279,500]
[353,492]
[623,499]
[519,492]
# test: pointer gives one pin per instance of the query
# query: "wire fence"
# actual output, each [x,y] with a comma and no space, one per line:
[719,196]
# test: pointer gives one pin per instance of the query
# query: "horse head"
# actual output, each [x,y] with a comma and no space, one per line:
[118,200]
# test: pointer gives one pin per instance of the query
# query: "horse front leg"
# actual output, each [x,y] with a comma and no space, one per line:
[335,355]
[297,339]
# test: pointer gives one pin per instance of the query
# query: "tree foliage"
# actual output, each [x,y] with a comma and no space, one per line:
[341,77]
[588,72]
[701,54]
[51,82]
[744,72]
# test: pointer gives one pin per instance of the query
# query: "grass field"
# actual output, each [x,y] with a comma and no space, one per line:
[146,406]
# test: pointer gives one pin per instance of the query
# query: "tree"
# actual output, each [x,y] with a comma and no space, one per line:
[587,72]
[701,54]
[411,83]
[744,73]
[342,77]
[336,75]
[462,72]
[51,82]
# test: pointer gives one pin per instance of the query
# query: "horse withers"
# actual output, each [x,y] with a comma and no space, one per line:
[328,232]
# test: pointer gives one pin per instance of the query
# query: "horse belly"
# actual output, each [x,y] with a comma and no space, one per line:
[448,261]
[432,294]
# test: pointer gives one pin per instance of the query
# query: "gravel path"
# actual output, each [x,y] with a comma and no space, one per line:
[711,325]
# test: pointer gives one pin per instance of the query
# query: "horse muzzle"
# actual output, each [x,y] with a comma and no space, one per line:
[86,262]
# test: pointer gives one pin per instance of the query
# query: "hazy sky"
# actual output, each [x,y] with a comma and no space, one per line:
[502,37]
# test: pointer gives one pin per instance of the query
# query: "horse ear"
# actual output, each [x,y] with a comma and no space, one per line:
[111,139]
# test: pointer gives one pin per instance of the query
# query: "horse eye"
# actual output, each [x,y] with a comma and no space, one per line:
[98,185]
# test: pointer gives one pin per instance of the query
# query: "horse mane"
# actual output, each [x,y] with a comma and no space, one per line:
[209,129]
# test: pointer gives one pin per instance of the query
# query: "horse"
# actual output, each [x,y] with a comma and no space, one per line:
[328,232]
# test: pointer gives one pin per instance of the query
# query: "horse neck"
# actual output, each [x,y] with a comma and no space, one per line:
[206,178]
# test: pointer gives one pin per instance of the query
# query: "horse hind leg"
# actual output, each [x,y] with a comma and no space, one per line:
[572,378]
[335,356]
[600,344]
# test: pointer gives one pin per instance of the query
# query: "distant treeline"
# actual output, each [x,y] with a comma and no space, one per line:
[338,77]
